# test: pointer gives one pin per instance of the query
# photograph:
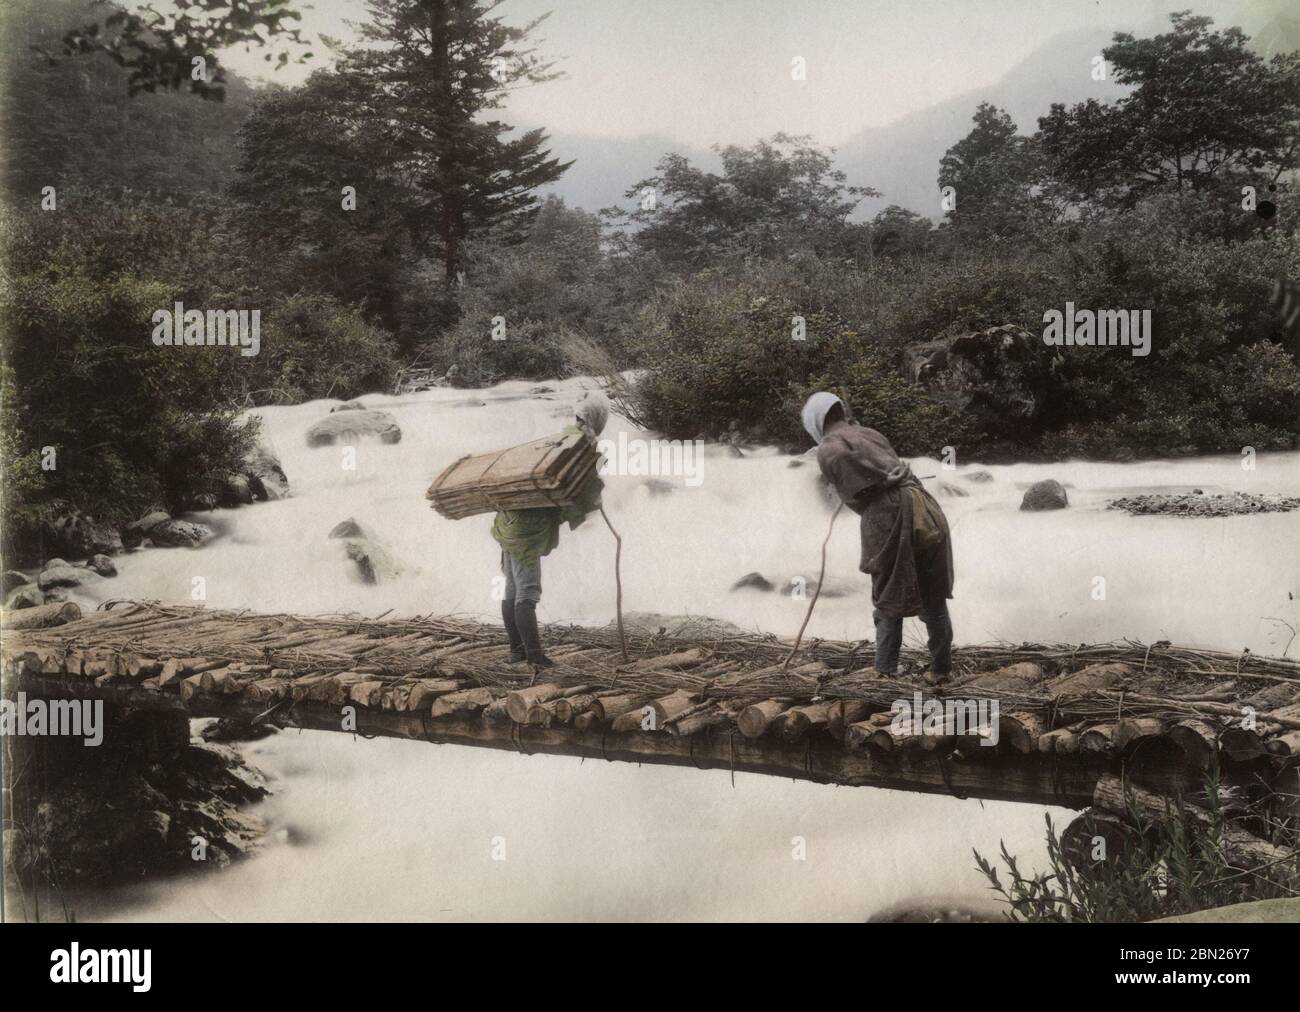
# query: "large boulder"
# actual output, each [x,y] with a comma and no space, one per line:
[1048,494]
[266,478]
[59,574]
[179,534]
[102,565]
[134,533]
[80,534]
[347,426]
[26,596]
[236,490]
[12,578]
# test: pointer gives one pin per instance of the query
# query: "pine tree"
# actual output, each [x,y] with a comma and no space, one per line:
[422,87]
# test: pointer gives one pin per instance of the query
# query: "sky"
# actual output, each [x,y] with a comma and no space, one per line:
[708,71]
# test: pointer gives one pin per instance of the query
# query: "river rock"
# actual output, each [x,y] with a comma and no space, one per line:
[371,559]
[1045,495]
[236,490]
[753,581]
[27,596]
[348,406]
[179,534]
[80,534]
[133,534]
[951,490]
[11,579]
[979,477]
[350,425]
[63,575]
[102,565]
[266,478]
[1197,504]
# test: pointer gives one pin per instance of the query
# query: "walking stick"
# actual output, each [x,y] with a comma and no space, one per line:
[816,593]
[618,580]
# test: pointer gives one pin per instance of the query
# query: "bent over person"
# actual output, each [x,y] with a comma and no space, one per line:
[525,536]
[906,548]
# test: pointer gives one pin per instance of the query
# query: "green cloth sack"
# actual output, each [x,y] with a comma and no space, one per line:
[929,526]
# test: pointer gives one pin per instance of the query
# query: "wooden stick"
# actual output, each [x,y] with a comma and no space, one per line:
[816,593]
[618,580]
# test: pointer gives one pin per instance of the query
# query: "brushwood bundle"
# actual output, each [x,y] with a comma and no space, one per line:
[545,472]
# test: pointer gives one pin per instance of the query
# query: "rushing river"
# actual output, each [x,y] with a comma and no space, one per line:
[386,829]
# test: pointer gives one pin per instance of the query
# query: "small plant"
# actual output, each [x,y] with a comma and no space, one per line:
[1151,866]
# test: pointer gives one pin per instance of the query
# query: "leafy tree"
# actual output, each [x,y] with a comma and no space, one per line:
[298,151]
[163,51]
[998,178]
[778,198]
[70,123]
[1205,114]
[896,231]
[417,92]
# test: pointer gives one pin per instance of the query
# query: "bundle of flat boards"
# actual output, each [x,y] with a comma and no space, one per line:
[545,472]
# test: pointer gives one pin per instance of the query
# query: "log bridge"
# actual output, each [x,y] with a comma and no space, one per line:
[1071,719]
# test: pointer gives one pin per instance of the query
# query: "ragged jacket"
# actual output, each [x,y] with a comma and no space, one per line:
[877,485]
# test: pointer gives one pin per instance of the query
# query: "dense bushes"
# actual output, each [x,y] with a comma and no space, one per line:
[1219,377]
[134,425]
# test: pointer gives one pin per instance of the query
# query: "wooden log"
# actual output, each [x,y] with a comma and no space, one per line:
[1241,848]
[1088,679]
[462,702]
[1098,738]
[681,659]
[672,706]
[696,723]
[426,690]
[642,718]
[539,714]
[36,661]
[520,701]
[1093,836]
[178,667]
[906,737]
[268,690]
[300,687]
[496,711]
[1022,730]
[844,712]
[755,720]
[43,616]
[1131,731]
[1197,740]
[1285,744]
[367,693]
[801,721]
[1241,745]
[858,734]
[569,707]
[1023,676]
[589,721]
[1062,741]
[607,708]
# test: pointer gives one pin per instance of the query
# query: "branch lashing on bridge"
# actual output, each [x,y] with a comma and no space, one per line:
[1065,715]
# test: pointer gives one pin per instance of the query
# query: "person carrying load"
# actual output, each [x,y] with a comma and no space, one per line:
[527,535]
[906,547]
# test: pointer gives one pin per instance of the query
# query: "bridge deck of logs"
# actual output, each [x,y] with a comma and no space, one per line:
[1071,717]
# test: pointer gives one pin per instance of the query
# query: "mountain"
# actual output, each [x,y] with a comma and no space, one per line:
[901,159]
